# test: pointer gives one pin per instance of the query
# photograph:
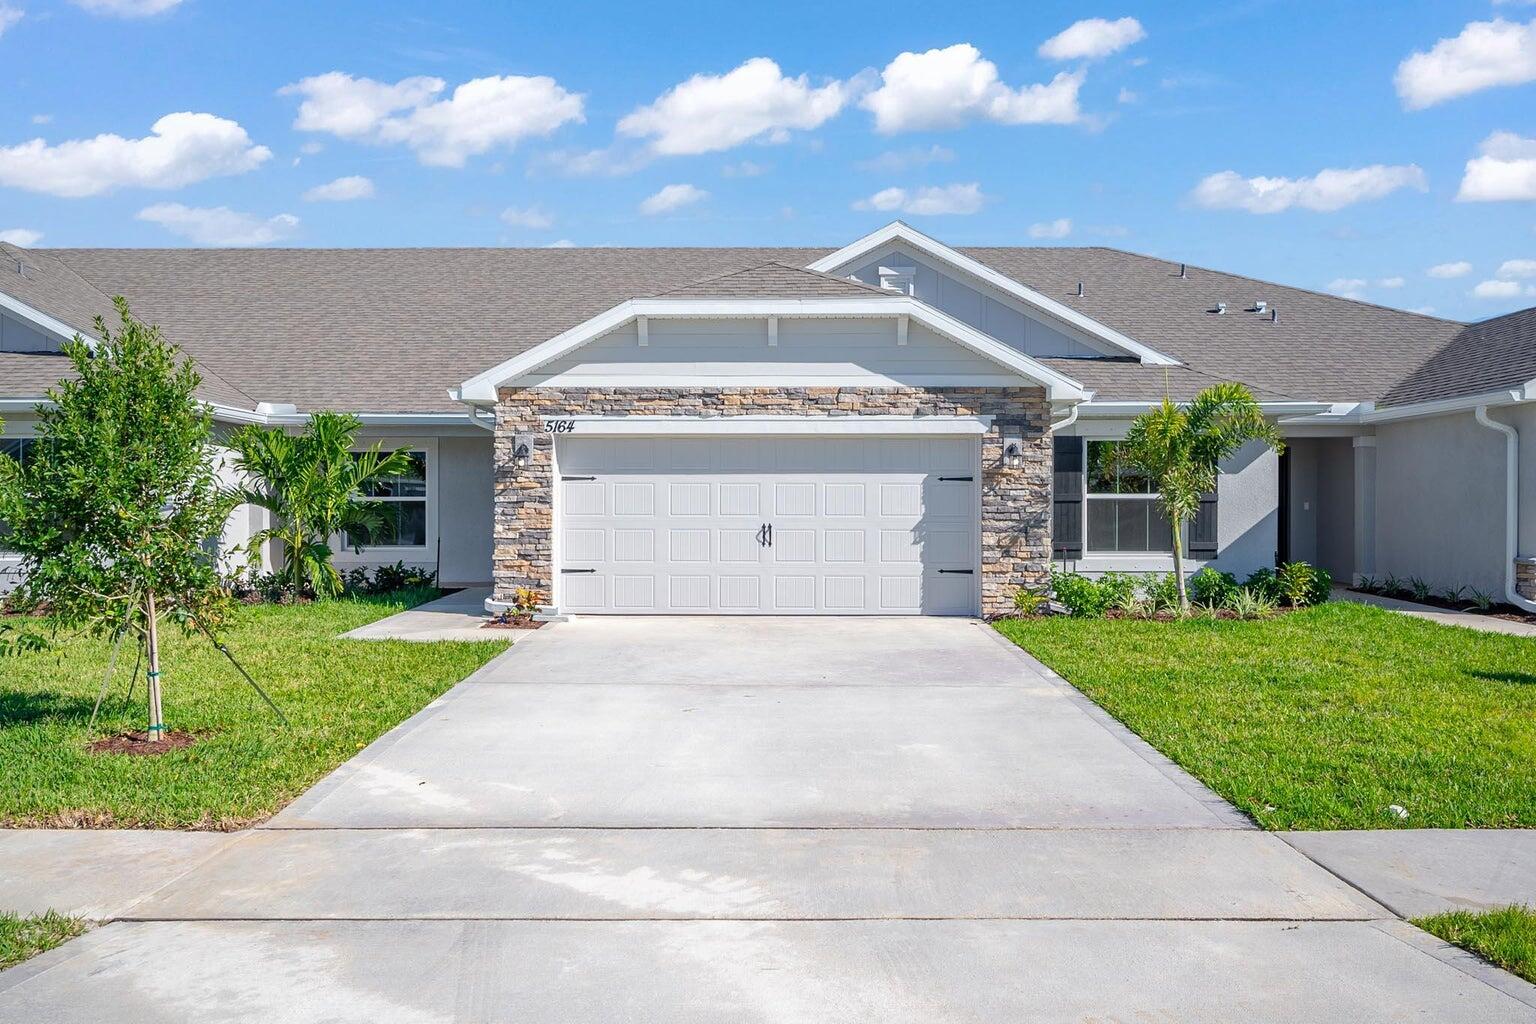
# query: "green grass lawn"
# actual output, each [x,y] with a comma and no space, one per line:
[1505,937]
[338,694]
[24,937]
[1324,718]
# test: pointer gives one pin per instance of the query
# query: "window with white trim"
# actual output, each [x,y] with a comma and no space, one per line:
[18,448]
[402,501]
[1122,509]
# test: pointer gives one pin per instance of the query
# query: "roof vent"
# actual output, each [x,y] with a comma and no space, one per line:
[1183,271]
[276,409]
[1079,289]
[1274,316]
[1221,309]
[897,279]
[1260,306]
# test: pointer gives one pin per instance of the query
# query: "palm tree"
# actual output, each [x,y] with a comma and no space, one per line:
[313,485]
[1180,447]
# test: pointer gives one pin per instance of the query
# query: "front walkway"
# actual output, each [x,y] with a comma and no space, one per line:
[460,615]
[1444,616]
[702,820]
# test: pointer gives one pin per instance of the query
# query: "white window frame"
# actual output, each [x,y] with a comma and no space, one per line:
[388,554]
[1089,495]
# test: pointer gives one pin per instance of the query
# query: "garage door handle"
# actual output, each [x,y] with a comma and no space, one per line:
[960,572]
[946,479]
[578,478]
[770,535]
[578,570]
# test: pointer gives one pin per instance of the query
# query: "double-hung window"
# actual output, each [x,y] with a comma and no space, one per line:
[1123,512]
[402,502]
[17,448]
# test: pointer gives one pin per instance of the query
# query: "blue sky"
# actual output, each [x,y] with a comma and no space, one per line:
[1342,146]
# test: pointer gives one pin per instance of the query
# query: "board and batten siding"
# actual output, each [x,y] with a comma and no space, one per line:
[1005,322]
[851,351]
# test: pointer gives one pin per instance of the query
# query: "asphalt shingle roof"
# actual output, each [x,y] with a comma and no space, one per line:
[1488,356]
[390,330]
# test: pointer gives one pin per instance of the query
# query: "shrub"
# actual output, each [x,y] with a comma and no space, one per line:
[1263,583]
[1248,603]
[1212,588]
[1118,588]
[1419,587]
[1162,591]
[1027,602]
[1299,584]
[526,600]
[1480,600]
[1083,597]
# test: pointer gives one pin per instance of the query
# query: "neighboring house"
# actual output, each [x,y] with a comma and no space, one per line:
[896,427]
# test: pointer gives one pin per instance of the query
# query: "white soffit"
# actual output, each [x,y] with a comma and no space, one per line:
[896,231]
[1059,387]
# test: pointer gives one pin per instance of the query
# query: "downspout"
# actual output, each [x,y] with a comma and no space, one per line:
[1071,419]
[1511,504]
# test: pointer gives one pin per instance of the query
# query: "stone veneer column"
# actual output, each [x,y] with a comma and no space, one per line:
[1525,578]
[1015,501]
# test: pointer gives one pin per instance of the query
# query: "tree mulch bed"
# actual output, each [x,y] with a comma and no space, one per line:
[138,743]
[512,622]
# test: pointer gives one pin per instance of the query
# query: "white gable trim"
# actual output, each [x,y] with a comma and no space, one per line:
[1059,387]
[896,231]
[43,322]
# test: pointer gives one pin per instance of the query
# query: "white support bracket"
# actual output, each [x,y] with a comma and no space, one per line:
[773,332]
[901,330]
[643,331]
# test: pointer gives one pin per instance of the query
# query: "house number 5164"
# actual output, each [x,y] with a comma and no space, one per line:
[559,426]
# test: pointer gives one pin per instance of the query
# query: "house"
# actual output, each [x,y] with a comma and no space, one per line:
[893,427]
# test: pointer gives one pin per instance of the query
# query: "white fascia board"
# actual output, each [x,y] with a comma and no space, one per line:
[1122,410]
[482,387]
[43,322]
[896,231]
[1444,406]
[799,426]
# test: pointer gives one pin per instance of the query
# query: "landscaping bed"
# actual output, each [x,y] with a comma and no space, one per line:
[337,694]
[1324,718]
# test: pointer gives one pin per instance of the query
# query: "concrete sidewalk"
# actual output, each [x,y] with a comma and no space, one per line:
[457,616]
[98,874]
[1417,872]
[1444,616]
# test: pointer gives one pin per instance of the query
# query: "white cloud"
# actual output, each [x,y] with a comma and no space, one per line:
[895,161]
[672,197]
[610,162]
[127,8]
[1486,54]
[477,116]
[1330,189]
[562,243]
[183,148]
[1127,96]
[1445,271]
[42,118]
[945,88]
[714,112]
[1423,310]
[1391,282]
[353,186]
[1093,37]
[9,16]
[1505,171]
[1503,290]
[1061,227]
[23,237]
[931,201]
[1349,287]
[535,217]
[219,225]
[1512,270]
[744,169]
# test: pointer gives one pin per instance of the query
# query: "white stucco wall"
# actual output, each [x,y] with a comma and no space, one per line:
[1440,502]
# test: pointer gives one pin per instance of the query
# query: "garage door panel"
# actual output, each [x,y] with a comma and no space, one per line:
[860,525]
[688,545]
[631,499]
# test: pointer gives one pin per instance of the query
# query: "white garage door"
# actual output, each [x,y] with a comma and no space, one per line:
[786,525]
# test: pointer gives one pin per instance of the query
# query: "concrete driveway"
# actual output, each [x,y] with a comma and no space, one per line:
[681,820]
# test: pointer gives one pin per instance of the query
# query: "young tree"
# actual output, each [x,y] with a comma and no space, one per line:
[115,506]
[1180,447]
[313,484]
[12,641]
